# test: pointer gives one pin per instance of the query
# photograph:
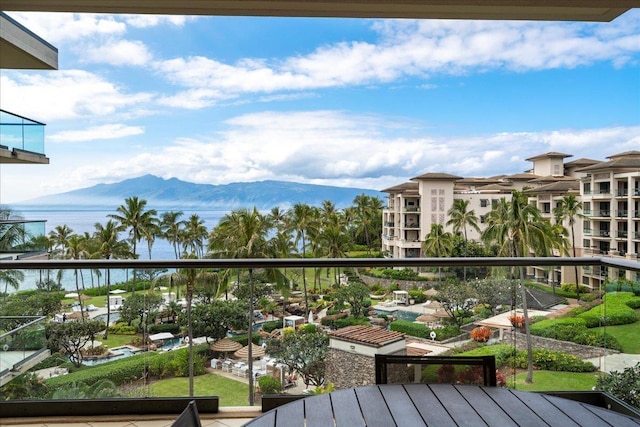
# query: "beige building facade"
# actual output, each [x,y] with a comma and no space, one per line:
[608,190]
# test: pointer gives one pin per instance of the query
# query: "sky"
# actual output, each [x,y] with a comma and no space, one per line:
[366,103]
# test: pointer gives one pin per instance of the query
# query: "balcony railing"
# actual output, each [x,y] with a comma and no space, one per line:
[622,213]
[599,264]
[21,133]
[622,193]
[622,234]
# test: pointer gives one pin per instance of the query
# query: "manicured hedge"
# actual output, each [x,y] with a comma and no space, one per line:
[172,328]
[617,309]
[573,330]
[552,361]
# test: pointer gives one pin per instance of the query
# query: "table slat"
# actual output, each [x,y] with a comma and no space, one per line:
[373,407]
[268,419]
[615,419]
[462,413]
[402,410]
[518,411]
[317,410]
[552,415]
[428,405]
[582,416]
[491,413]
[290,414]
[346,411]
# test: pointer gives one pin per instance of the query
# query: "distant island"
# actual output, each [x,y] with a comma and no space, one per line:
[176,194]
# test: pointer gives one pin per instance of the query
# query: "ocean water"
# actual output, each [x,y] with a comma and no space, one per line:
[84,220]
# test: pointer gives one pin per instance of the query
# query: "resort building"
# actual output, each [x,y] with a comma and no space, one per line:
[609,224]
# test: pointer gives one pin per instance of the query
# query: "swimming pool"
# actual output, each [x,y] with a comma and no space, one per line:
[411,316]
[115,353]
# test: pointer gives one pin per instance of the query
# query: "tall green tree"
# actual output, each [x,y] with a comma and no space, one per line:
[11,278]
[171,227]
[517,228]
[134,216]
[438,243]
[303,221]
[367,218]
[194,236]
[460,217]
[569,209]
[109,246]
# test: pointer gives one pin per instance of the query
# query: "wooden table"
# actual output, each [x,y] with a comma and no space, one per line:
[416,405]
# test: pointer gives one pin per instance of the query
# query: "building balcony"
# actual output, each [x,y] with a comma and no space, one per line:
[411,225]
[587,231]
[622,193]
[602,195]
[410,209]
[602,234]
[622,234]
[587,212]
[602,213]
[22,139]
[622,213]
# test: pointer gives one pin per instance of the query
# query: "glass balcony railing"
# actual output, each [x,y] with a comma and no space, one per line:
[22,344]
[19,236]
[157,318]
[18,132]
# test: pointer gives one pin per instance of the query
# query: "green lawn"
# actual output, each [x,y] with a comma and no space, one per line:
[555,381]
[116,340]
[231,392]
[627,335]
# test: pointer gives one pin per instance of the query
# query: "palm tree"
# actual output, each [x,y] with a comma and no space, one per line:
[243,234]
[368,212]
[518,228]
[302,220]
[76,250]
[335,239]
[172,229]
[132,215]
[11,278]
[460,218]
[438,243]
[110,246]
[569,209]
[194,236]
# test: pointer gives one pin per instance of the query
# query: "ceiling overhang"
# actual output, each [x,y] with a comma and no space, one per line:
[548,10]
[21,49]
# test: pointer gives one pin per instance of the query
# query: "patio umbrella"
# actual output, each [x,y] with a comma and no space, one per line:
[84,297]
[71,295]
[427,318]
[225,345]
[256,351]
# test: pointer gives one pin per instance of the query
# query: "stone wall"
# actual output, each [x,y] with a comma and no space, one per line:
[347,370]
[581,351]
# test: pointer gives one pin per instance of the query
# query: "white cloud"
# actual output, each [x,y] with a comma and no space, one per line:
[335,148]
[119,52]
[112,131]
[407,49]
[146,21]
[65,95]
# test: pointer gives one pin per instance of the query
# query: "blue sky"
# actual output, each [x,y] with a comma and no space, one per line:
[363,103]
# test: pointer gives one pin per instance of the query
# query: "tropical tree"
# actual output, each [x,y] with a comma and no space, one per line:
[76,250]
[243,234]
[109,246]
[171,227]
[517,228]
[194,236]
[133,215]
[11,278]
[569,209]
[437,243]
[460,217]
[302,221]
[367,211]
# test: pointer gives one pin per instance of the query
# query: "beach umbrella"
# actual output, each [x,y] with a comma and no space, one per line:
[256,352]
[225,345]
[71,295]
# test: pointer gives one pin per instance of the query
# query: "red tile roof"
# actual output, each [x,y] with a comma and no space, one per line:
[370,335]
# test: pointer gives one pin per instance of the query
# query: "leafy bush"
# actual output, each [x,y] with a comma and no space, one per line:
[244,339]
[418,296]
[410,328]
[622,285]
[574,330]
[481,334]
[501,352]
[350,321]
[272,325]
[552,361]
[624,385]
[617,309]
[269,384]
[121,328]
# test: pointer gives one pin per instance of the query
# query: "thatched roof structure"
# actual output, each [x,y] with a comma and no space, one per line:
[225,345]
[256,352]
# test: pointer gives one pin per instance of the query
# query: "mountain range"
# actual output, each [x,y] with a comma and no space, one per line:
[176,194]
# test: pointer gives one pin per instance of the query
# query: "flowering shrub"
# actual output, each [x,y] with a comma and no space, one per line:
[481,334]
[517,320]
[447,374]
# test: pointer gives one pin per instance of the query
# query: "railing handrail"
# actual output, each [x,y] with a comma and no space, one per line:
[318,262]
[26,325]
